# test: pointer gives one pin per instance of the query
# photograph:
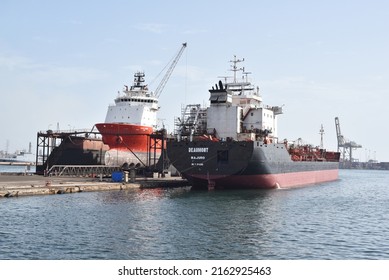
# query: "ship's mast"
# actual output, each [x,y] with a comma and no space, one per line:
[321,132]
[139,79]
[234,68]
[246,75]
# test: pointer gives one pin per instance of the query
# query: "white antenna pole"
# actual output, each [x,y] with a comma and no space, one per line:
[234,67]
[321,132]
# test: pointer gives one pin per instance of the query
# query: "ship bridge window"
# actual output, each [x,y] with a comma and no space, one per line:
[222,157]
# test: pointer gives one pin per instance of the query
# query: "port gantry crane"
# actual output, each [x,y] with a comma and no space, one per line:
[348,146]
[165,78]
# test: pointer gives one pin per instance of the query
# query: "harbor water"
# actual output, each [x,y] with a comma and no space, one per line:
[345,219]
[17,169]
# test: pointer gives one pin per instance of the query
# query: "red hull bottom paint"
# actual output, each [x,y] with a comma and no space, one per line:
[128,143]
[125,136]
[288,180]
[268,181]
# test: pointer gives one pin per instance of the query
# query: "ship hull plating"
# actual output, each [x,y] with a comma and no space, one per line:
[128,143]
[245,164]
[123,136]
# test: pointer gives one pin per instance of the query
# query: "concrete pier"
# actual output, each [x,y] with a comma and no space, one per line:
[19,185]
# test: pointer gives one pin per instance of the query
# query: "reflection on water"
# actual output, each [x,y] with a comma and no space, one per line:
[346,219]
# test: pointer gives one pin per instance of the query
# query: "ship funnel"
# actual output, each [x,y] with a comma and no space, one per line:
[221,85]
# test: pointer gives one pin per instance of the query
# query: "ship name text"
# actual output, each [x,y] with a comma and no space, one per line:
[198,150]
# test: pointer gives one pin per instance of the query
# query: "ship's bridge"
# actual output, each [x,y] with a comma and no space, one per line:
[136,99]
[244,93]
[247,100]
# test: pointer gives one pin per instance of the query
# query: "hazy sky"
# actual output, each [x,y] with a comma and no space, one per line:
[64,62]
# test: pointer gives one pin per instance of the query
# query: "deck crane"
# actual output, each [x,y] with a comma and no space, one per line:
[348,146]
[164,80]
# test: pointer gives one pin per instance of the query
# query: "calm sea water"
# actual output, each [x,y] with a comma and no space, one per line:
[346,219]
[16,169]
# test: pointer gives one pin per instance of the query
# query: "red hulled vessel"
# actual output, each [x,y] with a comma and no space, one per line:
[132,119]
[129,123]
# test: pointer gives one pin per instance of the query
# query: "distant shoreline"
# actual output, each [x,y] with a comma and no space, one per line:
[18,163]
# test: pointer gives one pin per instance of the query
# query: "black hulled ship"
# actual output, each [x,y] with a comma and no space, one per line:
[234,143]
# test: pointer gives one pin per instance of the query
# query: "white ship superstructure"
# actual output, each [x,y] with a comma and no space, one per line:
[236,112]
[132,119]
[136,105]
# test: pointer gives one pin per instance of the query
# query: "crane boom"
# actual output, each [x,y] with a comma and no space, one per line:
[338,133]
[165,78]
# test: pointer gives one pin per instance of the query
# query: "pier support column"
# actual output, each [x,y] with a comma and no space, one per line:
[132,175]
